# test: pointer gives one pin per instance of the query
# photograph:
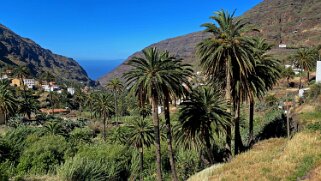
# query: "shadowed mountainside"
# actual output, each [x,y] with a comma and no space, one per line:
[16,50]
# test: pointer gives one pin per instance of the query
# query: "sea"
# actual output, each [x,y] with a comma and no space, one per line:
[98,68]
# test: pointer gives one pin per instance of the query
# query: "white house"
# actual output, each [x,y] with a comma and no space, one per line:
[318,72]
[30,83]
[71,90]
[282,45]
[3,77]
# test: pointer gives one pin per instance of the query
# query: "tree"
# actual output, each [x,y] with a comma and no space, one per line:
[22,72]
[305,58]
[201,114]
[48,77]
[266,74]
[116,86]
[229,52]
[288,73]
[141,134]
[8,102]
[147,79]
[103,108]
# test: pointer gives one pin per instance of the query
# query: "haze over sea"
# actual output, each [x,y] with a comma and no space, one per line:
[97,68]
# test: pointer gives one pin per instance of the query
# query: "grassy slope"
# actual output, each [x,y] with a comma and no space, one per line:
[275,159]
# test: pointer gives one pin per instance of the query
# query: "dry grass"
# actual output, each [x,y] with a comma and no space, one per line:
[274,159]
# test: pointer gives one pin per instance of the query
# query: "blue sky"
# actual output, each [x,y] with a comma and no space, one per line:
[109,29]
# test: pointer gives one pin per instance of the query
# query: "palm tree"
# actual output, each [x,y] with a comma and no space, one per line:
[305,58]
[227,51]
[8,102]
[48,77]
[22,72]
[147,79]
[54,128]
[176,85]
[90,100]
[288,73]
[141,134]
[103,108]
[116,86]
[202,113]
[267,73]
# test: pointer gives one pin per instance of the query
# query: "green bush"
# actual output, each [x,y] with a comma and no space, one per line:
[314,92]
[42,155]
[98,162]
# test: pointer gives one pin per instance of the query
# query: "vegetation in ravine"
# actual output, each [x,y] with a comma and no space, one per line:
[165,122]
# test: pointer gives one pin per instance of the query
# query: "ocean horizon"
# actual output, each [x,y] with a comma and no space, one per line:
[98,68]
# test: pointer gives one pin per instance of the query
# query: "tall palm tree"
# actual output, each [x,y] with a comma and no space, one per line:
[141,134]
[201,114]
[103,108]
[149,77]
[22,72]
[227,51]
[267,72]
[116,86]
[48,77]
[178,74]
[8,102]
[90,100]
[288,73]
[305,58]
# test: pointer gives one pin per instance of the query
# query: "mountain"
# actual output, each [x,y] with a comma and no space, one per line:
[16,50]
[292,22]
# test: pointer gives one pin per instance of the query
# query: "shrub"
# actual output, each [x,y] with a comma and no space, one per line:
[97,162]
[43,155]
[314,92]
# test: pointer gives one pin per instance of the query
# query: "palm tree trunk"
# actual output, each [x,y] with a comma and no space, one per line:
[154,101]
[251,120]
[116,111]
[51,101]
[141,154]
[237,135]
[25,97]
[228,103]
[300,85]
[209,147]
[308,76]
[169,138]
[104,129]
[5,117]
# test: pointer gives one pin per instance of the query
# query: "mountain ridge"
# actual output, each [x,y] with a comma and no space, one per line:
[16,50]
[296,21]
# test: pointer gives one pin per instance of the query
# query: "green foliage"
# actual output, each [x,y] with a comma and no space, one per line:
[314,92]
[314,127]
[188,163]
[98,162]
[42,156]
[304,167]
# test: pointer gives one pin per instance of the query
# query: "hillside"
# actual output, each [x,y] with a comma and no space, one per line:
[16,50]
[293,22]
[298,158]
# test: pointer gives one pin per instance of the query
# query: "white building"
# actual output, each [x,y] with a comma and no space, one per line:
[318,72]
[50,88]
[3,77]
[282,45]
[30,83]
[71,90]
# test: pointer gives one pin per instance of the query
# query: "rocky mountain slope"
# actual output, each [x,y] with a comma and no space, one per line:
[16,50]
[292,22]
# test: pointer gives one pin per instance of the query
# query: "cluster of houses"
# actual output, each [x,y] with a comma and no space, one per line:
[31,83]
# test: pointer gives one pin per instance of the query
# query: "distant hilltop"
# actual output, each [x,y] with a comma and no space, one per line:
[288,23]
[18,51]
